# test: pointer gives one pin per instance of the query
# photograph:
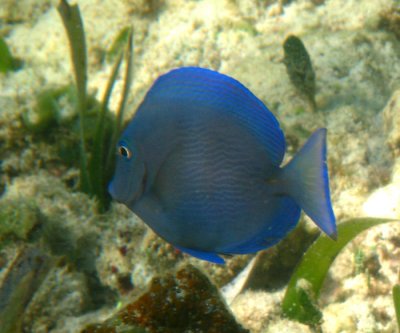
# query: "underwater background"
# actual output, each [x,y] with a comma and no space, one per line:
[71,260]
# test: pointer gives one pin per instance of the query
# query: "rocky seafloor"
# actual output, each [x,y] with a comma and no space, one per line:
[66,268]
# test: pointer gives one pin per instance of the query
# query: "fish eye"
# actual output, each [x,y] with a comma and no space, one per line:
[124,152]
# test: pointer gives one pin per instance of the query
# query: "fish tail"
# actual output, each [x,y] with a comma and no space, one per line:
[307,182]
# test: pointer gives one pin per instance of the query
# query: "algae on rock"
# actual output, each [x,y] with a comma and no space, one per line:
[18,219]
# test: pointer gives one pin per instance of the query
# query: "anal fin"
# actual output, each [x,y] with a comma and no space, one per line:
[208,256]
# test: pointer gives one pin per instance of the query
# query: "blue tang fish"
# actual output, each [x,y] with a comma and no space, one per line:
[200,163]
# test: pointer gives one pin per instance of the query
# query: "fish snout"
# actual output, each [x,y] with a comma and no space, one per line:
[118,193]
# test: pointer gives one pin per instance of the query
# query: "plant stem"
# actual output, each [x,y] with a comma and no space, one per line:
[97,166]
[73,24]
[396,300]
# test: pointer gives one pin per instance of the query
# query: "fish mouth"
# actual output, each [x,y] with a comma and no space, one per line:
[111,190]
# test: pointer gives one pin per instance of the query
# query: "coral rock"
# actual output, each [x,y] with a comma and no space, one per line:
[186,302]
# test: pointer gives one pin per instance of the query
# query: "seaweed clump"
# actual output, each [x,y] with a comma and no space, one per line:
[8,62]
[299,68]
[96,164]
[185,302]
[390,21]
[300,302]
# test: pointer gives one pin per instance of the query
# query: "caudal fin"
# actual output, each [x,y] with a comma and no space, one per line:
[306,178]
